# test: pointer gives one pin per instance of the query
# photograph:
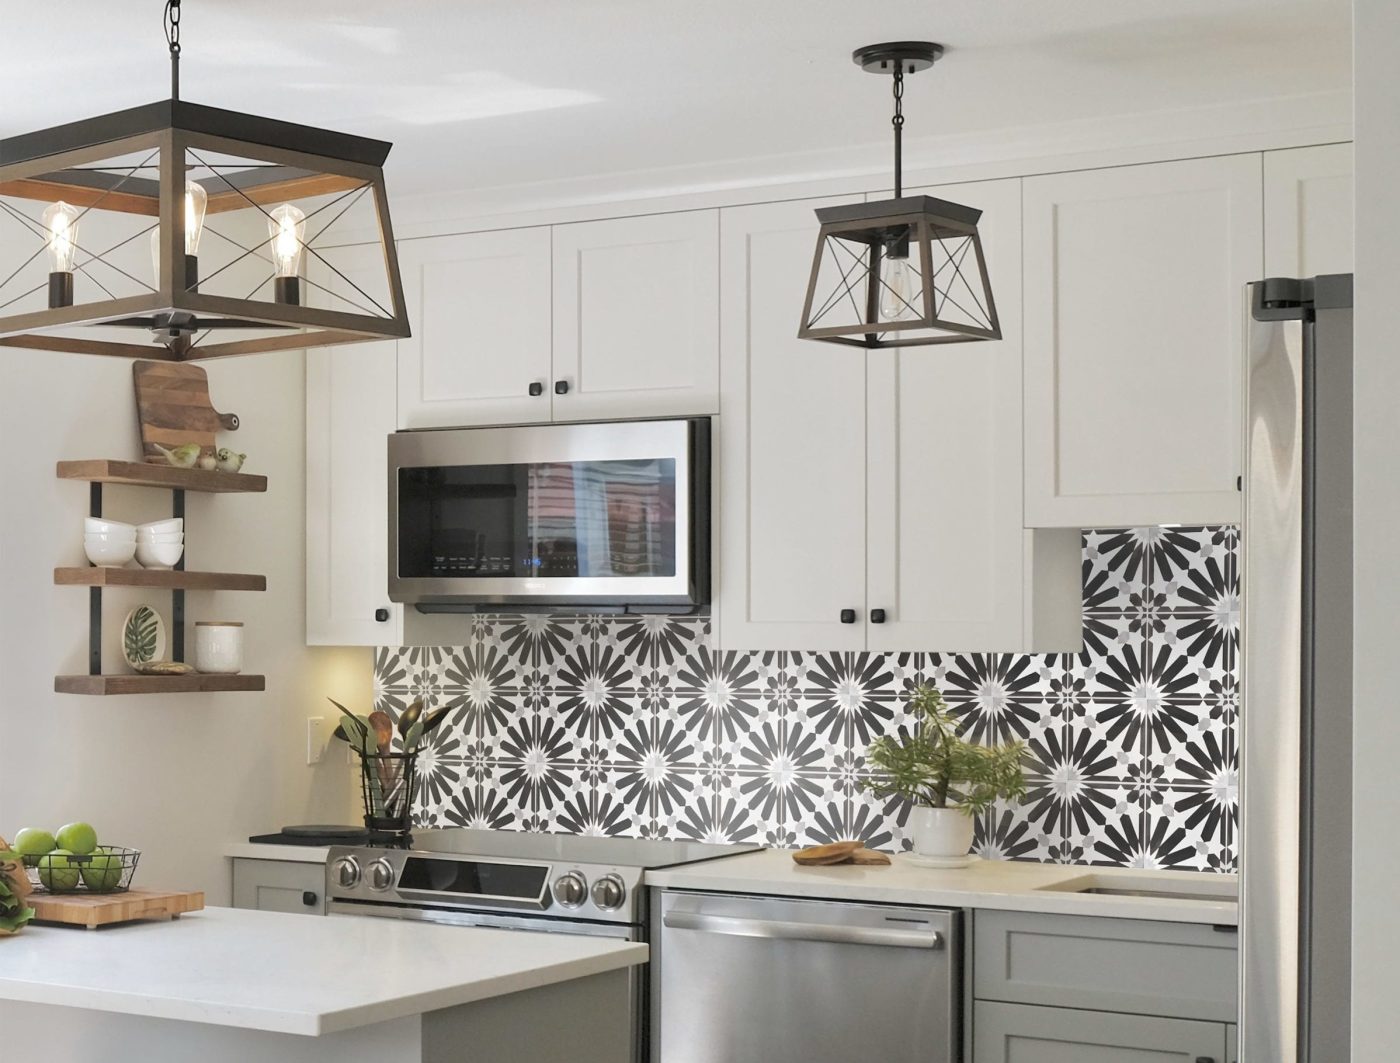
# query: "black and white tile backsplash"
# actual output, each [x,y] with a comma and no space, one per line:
[636,726]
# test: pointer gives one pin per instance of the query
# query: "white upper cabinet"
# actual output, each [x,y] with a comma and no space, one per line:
[636,321]
[1134,291]
[479,307]
[791,464]
[350,413]
[1308,194]
[950,566]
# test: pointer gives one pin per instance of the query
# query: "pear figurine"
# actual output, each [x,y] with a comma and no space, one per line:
[182,457]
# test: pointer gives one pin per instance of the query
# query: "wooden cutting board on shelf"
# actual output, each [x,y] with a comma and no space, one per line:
[93,910]
[173,404]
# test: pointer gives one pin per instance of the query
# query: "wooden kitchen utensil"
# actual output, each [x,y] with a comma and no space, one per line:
[826,855]
[869,858]
[172,401]
[93,910]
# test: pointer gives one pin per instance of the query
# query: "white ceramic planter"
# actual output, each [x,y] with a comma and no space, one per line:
[942,836]
[218,647]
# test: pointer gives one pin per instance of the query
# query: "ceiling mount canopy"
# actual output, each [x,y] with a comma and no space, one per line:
[210,232]
[899,272]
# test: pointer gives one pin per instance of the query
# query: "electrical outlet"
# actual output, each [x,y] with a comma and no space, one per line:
[317,735]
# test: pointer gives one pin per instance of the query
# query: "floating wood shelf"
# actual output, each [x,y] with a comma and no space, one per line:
[163,579]
[143,474]
[156,684]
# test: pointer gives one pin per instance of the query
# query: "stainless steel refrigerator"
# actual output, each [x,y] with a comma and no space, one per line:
[1295,723]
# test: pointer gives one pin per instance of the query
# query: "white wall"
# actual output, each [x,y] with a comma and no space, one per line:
[176,776]
[1375,915]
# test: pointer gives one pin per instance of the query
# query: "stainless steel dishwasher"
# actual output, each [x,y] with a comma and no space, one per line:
[738,978]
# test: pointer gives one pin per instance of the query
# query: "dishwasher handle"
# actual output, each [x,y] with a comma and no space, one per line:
[793,931]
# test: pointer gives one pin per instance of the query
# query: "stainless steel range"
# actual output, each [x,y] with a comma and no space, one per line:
[552,883]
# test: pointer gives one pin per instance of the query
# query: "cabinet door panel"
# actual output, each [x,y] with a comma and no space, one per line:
[792,453]
[636,316]
[279,886]
[1308,195]
[1134,330]
[1018,1033]
[949,560]
[350,412]
[479,307]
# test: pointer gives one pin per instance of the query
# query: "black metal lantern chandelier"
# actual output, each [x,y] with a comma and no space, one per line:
[211,232]
[899,272]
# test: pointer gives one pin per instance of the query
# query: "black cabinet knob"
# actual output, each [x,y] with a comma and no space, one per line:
[310,899]
[381,615]
[877,616]
[561,387]
[1205,1059]
[536,388]
[848,616]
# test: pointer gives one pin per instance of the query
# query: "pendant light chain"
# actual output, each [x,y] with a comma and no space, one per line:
[898,123]
[172,38]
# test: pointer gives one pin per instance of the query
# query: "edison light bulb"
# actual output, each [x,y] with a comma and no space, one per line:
[899,290]
[196,201]
[61,222]
[287,226]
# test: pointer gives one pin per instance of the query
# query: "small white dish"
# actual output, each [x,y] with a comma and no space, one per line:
[947,863]
[162,527]
[159,555]
[98,526]
[109,555]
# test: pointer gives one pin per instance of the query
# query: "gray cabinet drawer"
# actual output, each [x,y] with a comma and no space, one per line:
[1024,1033]
[1173,969]
[279,886]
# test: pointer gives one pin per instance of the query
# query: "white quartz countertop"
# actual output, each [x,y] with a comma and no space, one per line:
[300,854]
[994,884]
[294,974]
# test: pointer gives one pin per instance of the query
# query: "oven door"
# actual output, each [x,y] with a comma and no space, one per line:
[549,516]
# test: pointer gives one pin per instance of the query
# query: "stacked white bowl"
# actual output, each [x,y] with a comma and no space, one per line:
[108,543]
[161,543]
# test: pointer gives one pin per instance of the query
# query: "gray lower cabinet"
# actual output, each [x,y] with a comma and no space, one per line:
[1025,1033]
[1232,1043]
[279,886]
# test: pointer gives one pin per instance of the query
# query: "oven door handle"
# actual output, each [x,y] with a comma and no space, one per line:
[782,930]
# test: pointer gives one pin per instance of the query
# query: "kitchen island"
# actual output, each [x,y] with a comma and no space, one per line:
[226,985]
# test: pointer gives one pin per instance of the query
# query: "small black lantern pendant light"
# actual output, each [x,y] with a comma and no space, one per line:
[899,272]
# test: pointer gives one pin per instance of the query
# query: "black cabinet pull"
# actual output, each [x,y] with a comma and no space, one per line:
[877,616]
[381,615]
[561,387]
[536,388]
[848,616]
[1205,1059]
[309,899]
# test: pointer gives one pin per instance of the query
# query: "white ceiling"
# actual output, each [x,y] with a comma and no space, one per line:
[487,93]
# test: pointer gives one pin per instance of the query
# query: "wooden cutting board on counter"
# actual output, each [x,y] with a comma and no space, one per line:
[93,910]
[173,403]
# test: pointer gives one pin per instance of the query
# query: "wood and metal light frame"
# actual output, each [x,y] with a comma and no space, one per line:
[129,171]
[901,272]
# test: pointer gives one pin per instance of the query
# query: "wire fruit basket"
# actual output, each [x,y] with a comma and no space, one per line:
[109,870]
[388,782]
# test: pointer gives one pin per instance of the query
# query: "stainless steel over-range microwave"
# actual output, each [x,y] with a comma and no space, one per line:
[608,516]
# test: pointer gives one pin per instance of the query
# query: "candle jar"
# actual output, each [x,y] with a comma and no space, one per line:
[218,647]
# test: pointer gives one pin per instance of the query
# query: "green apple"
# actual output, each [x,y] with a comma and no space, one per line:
[32,843]
[57,872]
[77,838]
[102,871]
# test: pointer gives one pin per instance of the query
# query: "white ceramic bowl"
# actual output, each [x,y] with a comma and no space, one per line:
[162,527]
[159,555]
[166,537]
[97,526]
[104,539]
[109,555]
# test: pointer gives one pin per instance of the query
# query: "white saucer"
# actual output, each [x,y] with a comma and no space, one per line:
[947,863]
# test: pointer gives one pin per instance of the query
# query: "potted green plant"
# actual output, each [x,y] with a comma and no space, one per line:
[946,778]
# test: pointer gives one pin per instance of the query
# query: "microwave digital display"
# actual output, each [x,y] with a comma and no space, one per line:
[612,519]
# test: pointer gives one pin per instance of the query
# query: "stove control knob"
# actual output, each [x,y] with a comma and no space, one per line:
[571,889]
[381,875]
[609,893]
[347,872]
